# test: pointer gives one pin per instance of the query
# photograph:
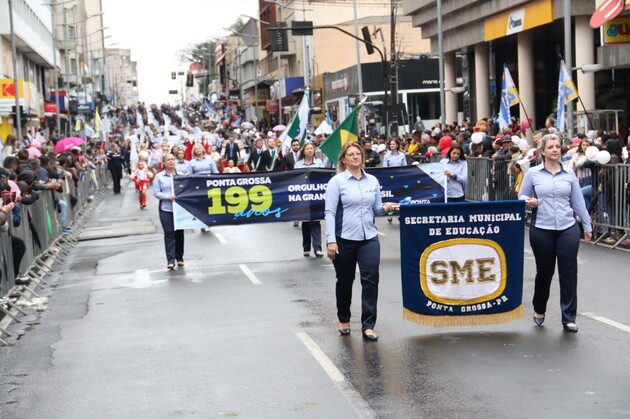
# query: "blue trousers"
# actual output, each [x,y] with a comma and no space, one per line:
[367,253]
[173,239]
[550,246]
[311,230]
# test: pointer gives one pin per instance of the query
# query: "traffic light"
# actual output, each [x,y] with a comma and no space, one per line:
[22,116]
[173,75]
[279,41]
[368,40]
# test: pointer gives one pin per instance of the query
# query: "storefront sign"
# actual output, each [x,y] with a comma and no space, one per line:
[536,13]
[617,31]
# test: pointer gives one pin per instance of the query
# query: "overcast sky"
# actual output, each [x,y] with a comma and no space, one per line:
[155,30]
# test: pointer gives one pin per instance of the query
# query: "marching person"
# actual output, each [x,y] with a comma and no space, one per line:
[200,163]
[115,166]
[456,170]
[141,176]
[311,230]
[259,158]
[555,196]
[394,157]
[163,190]
[353,199]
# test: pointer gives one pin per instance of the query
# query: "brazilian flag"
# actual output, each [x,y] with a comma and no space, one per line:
[347,131]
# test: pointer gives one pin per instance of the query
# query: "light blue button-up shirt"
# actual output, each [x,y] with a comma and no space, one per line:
[300,164]
[559,199]
[392,160]
[202,166]
[351,205]
[162,189]
[455,186]
[181,166]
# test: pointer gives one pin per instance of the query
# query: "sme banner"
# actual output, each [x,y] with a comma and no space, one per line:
[294,195]
[462,263]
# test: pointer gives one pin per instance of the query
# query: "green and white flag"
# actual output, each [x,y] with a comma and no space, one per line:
[297,127]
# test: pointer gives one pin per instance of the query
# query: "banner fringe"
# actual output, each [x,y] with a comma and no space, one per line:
[473,320]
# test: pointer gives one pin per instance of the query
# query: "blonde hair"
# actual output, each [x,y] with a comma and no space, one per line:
[341,166]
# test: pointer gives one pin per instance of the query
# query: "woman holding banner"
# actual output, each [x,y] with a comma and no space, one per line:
[555,196]
[311,230]
[163,190]
[353,199]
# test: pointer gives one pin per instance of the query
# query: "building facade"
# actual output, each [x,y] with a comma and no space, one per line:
[528,37]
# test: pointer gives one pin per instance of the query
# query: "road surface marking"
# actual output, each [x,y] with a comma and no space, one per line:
[357,402]
[220,237]
[607,321]
[381,234]
[249,274]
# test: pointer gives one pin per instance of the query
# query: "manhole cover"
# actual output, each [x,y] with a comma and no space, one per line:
[117,228]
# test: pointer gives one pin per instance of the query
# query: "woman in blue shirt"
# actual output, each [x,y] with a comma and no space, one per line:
[311,230]
[456,170]
[555,196]
[353,199]
[200,163]
[163,190]
[394,156]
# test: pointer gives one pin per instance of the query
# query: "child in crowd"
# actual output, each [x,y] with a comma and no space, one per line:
[142,177]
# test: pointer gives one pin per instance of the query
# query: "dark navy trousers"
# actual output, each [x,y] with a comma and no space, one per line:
[173,239]
[550,246]
[311,230]
[367,253]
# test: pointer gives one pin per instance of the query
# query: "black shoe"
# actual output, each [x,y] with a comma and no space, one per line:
[170,266]
[370,338]
[344,332]
[539,320]
[570,329]
[306,254]
[319,254]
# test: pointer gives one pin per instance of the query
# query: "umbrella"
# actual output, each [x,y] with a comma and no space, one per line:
[68,143]
[247,125]
[279,128]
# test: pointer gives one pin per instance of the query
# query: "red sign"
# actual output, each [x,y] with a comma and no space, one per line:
[7,90]
[272,105]
[50,107]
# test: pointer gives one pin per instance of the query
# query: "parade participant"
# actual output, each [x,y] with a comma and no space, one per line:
[201,164]
[456,170]
[181,164]
[311,230]
[115,166]
[353,199]
[163,190]
[275,155]
[259,158]
[142,176]
[292,155]
[394,156]
[231,150]
[555,196]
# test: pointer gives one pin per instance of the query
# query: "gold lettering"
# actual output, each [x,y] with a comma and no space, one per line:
[466,271]
[439,267]
[484,269]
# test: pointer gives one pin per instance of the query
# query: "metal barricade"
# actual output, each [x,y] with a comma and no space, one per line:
[7,280]
[608,198]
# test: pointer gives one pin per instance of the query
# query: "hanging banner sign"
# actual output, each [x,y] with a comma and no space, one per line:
[294,195]
[462,263]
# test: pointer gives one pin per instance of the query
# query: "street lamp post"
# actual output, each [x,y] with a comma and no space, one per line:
[16,84]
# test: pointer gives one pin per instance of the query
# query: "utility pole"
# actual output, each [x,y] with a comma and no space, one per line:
[393,73]
[16,81]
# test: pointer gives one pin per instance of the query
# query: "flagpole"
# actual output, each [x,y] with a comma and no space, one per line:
[585,112]
[529,121]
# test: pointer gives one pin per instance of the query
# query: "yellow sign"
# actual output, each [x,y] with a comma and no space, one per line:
[7,88]
[536,13]
[617,31]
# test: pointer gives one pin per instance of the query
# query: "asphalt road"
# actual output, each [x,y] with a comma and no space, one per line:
[248,329]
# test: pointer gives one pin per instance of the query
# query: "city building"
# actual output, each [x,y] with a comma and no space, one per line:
[528,37]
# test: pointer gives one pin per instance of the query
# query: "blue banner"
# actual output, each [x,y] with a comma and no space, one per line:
[462,263]
[295,195]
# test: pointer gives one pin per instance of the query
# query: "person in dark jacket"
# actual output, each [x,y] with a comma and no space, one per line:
[115,166]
